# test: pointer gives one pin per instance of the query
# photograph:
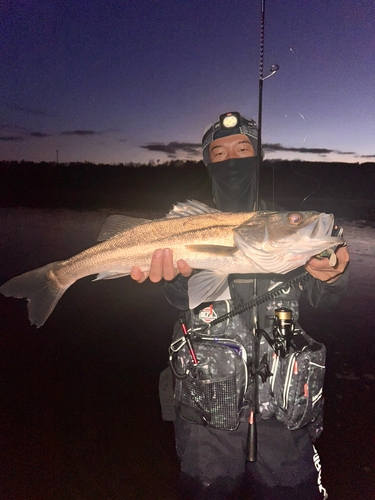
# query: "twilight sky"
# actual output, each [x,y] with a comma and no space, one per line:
[111,81]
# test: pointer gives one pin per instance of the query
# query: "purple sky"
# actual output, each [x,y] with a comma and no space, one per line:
[138,80]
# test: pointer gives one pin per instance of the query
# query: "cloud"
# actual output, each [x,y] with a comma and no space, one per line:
[11,138]
[367,156]
[39,134]
[80,132]
[173,147]
[28,111]
[317,151]
[193,149]
[279,147]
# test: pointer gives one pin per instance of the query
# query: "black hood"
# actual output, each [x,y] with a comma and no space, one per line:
[234,184]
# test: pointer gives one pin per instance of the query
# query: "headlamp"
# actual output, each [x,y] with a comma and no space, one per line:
[230,120]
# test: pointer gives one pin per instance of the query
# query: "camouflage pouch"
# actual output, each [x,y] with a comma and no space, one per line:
[296,386]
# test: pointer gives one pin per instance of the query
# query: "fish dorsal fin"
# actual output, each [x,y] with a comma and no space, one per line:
[115,224]
[190,208]
[214,249]
[206,286]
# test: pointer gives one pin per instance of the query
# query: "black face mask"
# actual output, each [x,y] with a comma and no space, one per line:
[234,184]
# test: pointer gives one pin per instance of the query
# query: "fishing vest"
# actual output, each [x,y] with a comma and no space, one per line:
[217,391]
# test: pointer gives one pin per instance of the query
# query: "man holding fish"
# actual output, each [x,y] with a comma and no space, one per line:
[212,447]
[228,375]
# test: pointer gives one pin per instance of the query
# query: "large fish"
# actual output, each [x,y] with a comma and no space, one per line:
[220,243]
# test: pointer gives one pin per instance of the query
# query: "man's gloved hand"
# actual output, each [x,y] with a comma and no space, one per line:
[323,271]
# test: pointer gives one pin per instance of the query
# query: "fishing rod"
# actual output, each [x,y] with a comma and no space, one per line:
[274,68]
[251,454]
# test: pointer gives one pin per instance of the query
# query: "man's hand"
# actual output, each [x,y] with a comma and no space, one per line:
[323,271]
[162,267]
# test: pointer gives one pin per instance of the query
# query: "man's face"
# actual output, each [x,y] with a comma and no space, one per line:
[232,146]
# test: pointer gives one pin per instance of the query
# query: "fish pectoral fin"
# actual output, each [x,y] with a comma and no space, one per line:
[110,275]
[214,249]
[206,286]
[115,224]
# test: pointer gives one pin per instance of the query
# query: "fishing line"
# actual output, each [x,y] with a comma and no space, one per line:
[307,127]
[296,79]
[297,66]
[296,85]
[307,177]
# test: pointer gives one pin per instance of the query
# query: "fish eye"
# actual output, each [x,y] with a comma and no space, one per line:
[295,218]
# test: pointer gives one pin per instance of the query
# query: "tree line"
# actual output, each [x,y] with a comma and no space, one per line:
[144,187]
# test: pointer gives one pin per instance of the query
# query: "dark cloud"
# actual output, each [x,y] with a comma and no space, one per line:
[10,138]
[38,134]
[173,147]
[318,151]
[28,111]
[192,149]
[279,147]
[272,147]
[80,132]
[367,156]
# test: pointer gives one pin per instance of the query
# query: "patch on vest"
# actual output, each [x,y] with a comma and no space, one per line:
[207,314]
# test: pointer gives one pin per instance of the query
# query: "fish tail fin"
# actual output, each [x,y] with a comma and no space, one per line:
[40,288]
